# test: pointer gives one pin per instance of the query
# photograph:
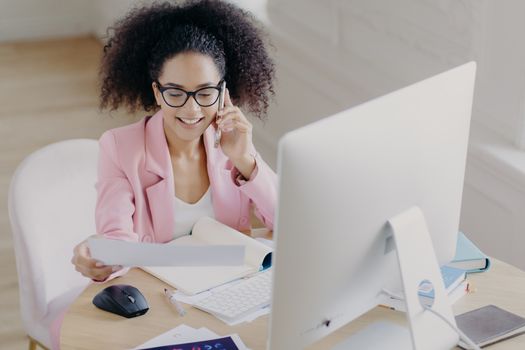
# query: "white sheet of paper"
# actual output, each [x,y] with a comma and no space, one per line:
[118,252]
[179,334]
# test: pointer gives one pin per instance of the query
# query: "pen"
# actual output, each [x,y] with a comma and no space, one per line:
[175,302]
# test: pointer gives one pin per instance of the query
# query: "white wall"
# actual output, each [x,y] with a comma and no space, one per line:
[37,19]
[336,54]
[107,11]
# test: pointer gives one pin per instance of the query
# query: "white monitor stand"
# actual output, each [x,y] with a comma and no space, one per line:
[417,263]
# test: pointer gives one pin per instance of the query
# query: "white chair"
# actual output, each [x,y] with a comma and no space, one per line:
[51,208]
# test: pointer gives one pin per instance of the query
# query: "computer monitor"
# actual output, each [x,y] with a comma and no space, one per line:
[341,179]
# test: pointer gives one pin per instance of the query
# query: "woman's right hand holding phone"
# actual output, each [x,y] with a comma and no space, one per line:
[90,267]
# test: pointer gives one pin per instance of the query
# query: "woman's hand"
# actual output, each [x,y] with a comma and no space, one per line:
[88,266]
[236,139]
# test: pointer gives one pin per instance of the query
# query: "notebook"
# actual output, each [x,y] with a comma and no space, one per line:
[468,256]
[489,324]
[195,279]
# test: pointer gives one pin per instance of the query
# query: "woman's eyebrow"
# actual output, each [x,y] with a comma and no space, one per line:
[198,86]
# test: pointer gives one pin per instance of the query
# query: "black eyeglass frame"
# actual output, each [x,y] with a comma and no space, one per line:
[189,93]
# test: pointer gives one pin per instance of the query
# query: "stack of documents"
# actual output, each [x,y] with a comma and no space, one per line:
[188,338]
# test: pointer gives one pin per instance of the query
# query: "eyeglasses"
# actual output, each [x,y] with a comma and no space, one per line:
[175,97]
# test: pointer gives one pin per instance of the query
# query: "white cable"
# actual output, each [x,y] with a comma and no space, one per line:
[462,335]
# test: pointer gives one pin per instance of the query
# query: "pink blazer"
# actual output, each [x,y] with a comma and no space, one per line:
[136,195]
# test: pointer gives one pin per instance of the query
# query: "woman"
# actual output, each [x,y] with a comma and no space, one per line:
[156,177]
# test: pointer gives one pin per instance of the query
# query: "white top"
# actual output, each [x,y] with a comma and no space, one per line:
[186,214]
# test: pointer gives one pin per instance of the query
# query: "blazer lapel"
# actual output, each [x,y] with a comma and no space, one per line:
[161,195]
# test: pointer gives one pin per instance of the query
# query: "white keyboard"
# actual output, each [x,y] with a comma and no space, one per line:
[240,299]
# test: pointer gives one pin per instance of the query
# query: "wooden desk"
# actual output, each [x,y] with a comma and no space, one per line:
[86,327]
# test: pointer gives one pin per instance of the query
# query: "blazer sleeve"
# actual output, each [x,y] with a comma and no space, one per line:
[115,198]
[261,189]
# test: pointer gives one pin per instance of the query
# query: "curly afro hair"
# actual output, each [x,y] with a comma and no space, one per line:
[148,36]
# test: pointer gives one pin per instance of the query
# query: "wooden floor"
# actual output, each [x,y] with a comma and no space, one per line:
[48,92]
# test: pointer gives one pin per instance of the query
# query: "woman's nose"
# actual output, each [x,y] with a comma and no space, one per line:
[191,106]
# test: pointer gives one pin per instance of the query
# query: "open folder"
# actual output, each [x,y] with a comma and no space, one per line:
[195,279]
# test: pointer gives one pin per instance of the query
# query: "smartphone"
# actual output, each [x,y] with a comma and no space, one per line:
[218,132]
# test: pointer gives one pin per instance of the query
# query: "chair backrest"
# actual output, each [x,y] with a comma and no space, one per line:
[52,199]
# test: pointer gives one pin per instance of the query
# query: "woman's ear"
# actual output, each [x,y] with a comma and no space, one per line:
[157,93]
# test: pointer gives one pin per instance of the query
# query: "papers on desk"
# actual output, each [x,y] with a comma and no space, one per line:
[212,255]
[129,254]
[188,338]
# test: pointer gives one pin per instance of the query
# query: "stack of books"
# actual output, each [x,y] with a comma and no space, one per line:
[456,285]
[468,259]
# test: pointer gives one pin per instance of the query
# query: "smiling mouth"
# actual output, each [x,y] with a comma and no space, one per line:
[191,121]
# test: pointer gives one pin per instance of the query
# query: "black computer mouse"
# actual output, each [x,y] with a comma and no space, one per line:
[123,300]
